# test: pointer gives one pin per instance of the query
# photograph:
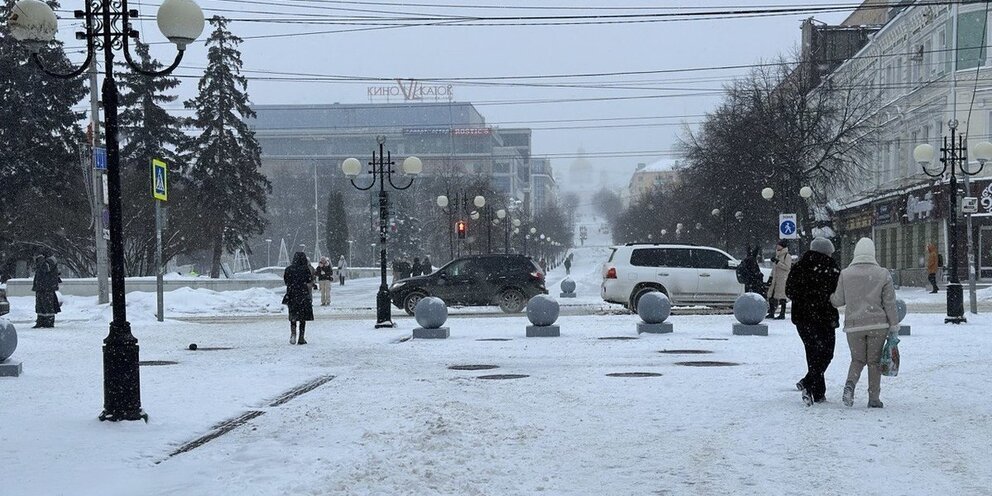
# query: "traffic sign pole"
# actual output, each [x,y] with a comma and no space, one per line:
[160,193]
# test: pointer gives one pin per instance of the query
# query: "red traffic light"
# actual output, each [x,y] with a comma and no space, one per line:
[460,227]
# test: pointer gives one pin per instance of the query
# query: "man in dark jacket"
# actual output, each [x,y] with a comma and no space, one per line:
[46,283]
[749,274]
[811,282]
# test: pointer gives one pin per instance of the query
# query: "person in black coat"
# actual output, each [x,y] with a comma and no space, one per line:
[425,266]
[750,274]
[811,282]
[45,284]
[299,284]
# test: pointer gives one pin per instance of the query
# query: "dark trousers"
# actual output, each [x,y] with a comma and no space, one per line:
[819,341]
[341,279]
[933,281]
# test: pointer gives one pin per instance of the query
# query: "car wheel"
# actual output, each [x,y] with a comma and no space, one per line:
[639,293]
[512,301]
[411,300]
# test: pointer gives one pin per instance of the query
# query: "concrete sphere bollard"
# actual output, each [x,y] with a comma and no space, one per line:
[901,309]
[654,308]
[567,285]
[431,312]
[8,339]
[750,308]
[542,310]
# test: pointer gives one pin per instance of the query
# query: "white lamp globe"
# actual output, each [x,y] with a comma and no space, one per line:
[664,232]
[516,222]
[982,151]
[542,236]
[351,167]
[715,212]
[413,166]
[181,21]
[442,201]
[806,192]
[533,230]
[923,154]
[678,227]
[516,230]
[33,22]
[501,213]
[479,201]
[767,193]
[474,215]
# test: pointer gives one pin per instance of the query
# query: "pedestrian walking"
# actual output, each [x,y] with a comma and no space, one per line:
[933,263]
[416,268]
[780,276]
[811,283]
[749,274]
[342,265]
[870,317]
[299,281]
[325,274]
[45,284]
[544,265]
[426,267]
[568,264]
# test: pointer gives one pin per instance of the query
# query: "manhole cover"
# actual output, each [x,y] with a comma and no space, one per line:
[713,339]
[156,362]
[634,374]
[707,364]
[502,376]
[212,348]
[473,367]
[619,338]
[685,352]
[494,339]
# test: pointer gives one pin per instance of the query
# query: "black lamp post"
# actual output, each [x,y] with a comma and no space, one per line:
[381,170]
[954,158]
[107,25]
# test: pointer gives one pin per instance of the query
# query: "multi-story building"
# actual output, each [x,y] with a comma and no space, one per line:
[647,177]
[543,187]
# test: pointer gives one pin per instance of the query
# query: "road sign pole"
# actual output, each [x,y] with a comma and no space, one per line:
[159,270]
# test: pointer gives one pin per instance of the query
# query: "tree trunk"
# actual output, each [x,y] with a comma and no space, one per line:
[218,249]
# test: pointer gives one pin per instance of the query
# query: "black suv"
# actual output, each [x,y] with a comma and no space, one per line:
[505,280]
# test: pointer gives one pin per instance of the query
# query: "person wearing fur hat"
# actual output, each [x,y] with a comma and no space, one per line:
[325,274]
[780,276]
[870,317]
[811,282]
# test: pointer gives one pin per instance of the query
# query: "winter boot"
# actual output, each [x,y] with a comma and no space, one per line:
[781,315]
[874,403]
[302,340]
[848,394]
[292,334]
[800,386]
[807,396]
[39,323]
[771,308]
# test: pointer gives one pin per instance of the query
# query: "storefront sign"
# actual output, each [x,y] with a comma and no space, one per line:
[472,131]
[412,90]
[886,213]
[857,221]
[985,200]
[426,131]
[920,206]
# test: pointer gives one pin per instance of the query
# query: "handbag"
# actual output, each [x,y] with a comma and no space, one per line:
[890,356]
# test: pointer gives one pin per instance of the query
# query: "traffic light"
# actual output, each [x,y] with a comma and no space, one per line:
[460,227]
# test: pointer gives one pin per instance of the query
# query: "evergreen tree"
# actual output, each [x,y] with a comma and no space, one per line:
[337,227]
[43,202]
[226,157]
[149,131]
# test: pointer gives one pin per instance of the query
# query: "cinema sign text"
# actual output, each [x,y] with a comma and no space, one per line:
[412,90]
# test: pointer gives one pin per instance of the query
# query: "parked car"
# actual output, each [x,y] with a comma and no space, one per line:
[4,304]
[505,280]
[687,274]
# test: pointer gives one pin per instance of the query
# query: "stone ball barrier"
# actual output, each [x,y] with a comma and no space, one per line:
[8,339]
[750,308]
[431,312]
[654,308]
[542,310]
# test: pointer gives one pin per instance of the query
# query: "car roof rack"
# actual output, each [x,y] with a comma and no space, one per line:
[645,243]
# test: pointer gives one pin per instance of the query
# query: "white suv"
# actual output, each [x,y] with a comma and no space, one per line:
[688,275]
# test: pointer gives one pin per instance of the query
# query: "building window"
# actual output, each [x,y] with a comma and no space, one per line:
[971,39]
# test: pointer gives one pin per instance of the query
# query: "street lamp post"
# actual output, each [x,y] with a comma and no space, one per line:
[268,252]
[381,170]
[350,242]
[107,25]
[457,204]
[954,158]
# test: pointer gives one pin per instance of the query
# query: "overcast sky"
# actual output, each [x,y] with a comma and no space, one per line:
[616,134]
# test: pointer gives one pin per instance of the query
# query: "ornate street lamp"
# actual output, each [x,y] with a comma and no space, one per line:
[381,170]
[108,25]
[953,158]
[767,193]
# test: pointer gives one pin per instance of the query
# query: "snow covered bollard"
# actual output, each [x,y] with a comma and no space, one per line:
[567,288]
[653,309]
[8,343]
[431,313]
[542,312]
[902,310]
[750,309]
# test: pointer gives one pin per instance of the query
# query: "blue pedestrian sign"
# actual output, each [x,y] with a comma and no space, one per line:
[99,158]
[160,180]
[787,227]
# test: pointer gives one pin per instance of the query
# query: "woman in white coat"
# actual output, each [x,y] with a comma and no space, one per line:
[865,288]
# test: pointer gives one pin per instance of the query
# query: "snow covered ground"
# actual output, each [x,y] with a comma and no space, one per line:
[395,420]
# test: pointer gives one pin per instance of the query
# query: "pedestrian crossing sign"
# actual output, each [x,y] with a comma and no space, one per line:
[160,180]
[787,227]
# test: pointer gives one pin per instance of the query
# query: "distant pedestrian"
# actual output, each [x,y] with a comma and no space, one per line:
[299,281]
[325,274]
[932,265]
[544,265]
[811,283]
[870,318]
[780,276]
[46,283]
[342,265]
[749,273]
[415,269]
[568,264]
[426,267]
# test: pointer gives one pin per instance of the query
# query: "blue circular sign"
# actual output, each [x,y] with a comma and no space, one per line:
[787,227]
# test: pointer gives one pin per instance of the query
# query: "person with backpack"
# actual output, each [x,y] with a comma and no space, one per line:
[811,282]
[749,274]
[568,264]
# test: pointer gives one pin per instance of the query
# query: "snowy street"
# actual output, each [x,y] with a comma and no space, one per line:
[395,420]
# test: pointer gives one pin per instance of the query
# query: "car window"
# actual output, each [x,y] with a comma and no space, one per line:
[709,259]
[661,257]
[613,253]
[457,268]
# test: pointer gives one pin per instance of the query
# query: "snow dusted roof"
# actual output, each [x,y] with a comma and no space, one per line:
[659,166]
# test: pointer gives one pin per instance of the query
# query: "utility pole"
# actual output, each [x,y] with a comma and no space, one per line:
[99,192]
[316,217]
